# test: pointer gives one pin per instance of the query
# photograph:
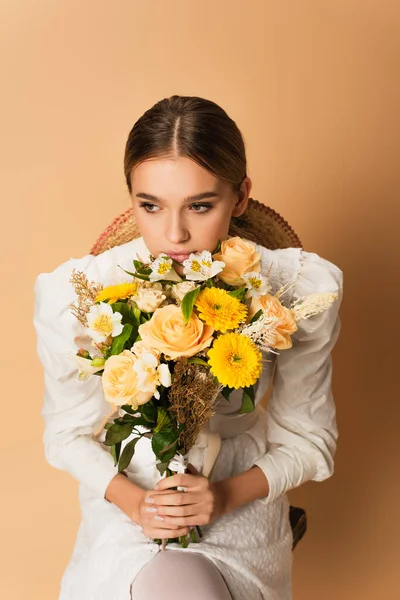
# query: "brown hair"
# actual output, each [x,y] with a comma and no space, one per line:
[193,127]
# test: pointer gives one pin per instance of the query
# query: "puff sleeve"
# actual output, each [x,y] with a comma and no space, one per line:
[72,408]
[302,430]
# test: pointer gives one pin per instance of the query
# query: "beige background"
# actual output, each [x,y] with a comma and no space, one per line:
[314,88]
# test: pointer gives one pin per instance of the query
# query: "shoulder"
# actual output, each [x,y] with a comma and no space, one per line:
[104,267]
[307,271]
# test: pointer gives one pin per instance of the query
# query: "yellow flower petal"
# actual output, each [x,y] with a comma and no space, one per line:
[235,360]
[220,310]
[112,293]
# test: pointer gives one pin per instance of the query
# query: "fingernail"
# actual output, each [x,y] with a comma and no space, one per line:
[151,509]
[158,518]
[150,499]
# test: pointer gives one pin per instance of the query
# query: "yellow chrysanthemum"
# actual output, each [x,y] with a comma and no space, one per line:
[220,310]
[112,293]
[235,360]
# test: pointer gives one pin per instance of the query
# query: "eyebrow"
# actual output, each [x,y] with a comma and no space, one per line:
[196,197]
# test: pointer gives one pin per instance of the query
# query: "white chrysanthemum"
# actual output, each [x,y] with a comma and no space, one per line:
[103,322]
[150,374]
[161,268]
[257,284]
[199,267]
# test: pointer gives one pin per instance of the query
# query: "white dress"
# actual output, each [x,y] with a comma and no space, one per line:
[293,440]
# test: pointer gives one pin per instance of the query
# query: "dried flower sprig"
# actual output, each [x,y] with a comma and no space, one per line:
[87,292]
[307,306]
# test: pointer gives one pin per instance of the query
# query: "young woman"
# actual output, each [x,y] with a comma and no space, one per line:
[185,168]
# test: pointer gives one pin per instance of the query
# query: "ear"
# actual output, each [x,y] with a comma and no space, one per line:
[243,197]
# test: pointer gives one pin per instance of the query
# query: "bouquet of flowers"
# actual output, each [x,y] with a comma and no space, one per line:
[167,345]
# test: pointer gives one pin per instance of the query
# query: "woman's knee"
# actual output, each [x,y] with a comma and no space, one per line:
[177,574]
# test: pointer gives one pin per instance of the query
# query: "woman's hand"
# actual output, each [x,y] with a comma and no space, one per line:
[200,505]
[151,525]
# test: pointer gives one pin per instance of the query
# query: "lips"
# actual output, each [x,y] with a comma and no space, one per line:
[179,257]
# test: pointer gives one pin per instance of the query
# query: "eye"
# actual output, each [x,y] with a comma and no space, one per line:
[148,207]
[205,206]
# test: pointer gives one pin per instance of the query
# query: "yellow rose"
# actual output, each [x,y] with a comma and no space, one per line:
[286,324]
[120,381]
[240,257]
[166,331]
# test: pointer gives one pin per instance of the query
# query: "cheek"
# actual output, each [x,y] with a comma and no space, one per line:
[217,226]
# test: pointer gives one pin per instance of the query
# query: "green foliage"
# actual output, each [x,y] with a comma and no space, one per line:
[226,392]
[188,302]
[127,454]
[197,361]
[163,419]
[256,316]
[119,341]
[164,443]
[117,432]
[115,450]
[238,293]
[247,400]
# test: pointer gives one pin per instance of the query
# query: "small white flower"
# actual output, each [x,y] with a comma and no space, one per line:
[164,375]
[102,322]
[257,284]
[199,267]
[85,366]
[162,268]
[150,374]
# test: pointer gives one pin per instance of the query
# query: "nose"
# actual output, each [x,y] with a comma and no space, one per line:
[177,231]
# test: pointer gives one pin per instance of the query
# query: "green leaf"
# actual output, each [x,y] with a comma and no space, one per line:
[218,248]
[115,450]
[162,467]
[136,314]
[141,268]
[210,283]
[164,443]
[256,316]
[118,342]
[226,392]
[247,400]
[163,419]
[188,302]
[197,361]
[124,309]
[238,293]
[129,409]
[129,272]
[127,453]
[117,432]
[149,413]
[139,276]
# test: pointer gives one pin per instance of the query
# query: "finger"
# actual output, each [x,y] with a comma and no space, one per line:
[188,510]
[185,521]
[180,479]
[177,499]
[158,523]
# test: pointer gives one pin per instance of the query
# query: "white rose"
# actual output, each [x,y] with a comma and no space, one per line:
[148,299]
[180,289]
